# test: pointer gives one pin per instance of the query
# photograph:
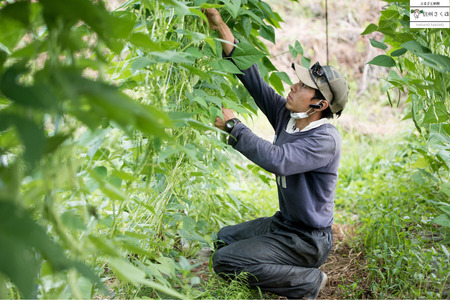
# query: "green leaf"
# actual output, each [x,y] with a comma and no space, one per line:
[131,273]
[436,113]
[126,271]
[100,172]
[142,40]
[31,134]
[245,55]
[246,25]
[268,64]
[141,63]
[415,47]
[20,237]
[298,47]
[276,82]
[383,61]
[306,62]
[199,13]
[14,19]
[293,52]
[112,28]
[19,11]
[378,44]
[225,65]
[399,52]
[232,6]
[369,29]
[444,249]
[3,56]
[38,95]
[180,7]
[173,56]
[252,15]
[445,188]
[107,101]
[72,220]
[52,143]
[104,246]
[284,77]
[268,33]
[443,220]
[437,62]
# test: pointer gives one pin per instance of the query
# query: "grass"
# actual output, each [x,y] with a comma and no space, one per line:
[387,199]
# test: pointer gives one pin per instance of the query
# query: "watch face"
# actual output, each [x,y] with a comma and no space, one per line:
[229,125]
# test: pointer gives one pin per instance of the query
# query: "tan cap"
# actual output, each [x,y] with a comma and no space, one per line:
[332,85]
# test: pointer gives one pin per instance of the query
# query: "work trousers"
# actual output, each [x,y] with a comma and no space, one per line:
[277,256]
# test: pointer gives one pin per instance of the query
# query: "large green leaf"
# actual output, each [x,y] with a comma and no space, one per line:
[225,66]
[232,6]
[31,134]
[245,55]
[369,29]
[20,237]
[383,61]
[276,82]
[103,100]
[112,28]
[268,33]
[378,44]
[436,114]
[133,274]
[414,47]
[142,40]
[438,62]
[37,95]
[14,19]
[443,220]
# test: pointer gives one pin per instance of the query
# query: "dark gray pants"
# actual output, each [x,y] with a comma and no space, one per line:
[281,257]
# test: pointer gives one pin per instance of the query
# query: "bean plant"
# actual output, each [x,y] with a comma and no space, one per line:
[419,62]
[111,173]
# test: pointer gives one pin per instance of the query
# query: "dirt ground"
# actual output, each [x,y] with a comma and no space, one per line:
[343,265]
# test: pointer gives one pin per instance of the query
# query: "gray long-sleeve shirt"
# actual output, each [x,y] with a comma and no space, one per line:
[305,163]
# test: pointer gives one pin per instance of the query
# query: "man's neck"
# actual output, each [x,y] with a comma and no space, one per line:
[302,123]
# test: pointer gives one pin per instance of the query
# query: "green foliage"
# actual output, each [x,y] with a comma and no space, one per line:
[217,288]
[422,61]
[405,256]
[109,164]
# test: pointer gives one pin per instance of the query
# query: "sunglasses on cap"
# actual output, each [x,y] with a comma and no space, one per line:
[317,71]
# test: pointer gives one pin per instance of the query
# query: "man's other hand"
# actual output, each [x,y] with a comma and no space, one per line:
[228,114]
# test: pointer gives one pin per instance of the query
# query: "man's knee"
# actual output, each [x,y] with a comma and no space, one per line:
[222,264]
[217,261]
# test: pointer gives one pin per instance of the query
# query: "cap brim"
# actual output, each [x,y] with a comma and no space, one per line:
[304,76]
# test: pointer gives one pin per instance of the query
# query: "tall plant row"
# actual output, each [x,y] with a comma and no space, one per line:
[110,166]
[419,62]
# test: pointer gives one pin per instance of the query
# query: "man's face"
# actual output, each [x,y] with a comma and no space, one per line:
[300,97]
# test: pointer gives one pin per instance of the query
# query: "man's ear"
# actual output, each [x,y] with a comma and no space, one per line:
[321,105]
[324,104]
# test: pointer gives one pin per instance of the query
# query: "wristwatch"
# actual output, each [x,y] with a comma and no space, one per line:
[229,125]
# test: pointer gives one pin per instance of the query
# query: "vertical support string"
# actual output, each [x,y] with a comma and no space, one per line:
[326,26]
